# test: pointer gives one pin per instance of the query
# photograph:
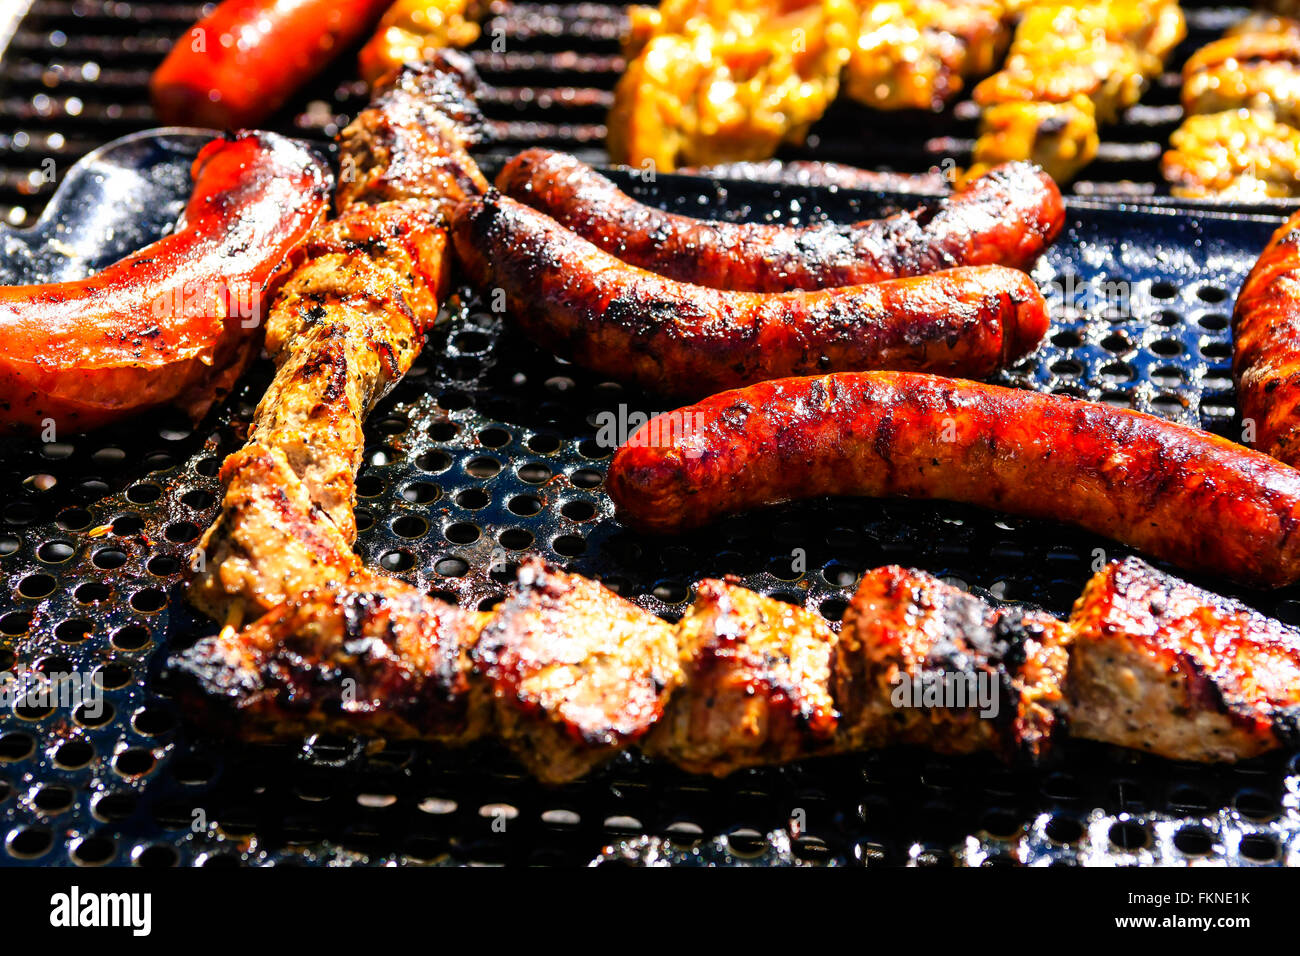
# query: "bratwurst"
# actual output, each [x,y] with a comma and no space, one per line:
[682,339]
[1005,217]
[1179,494]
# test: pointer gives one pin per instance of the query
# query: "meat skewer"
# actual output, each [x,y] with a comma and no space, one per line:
[1177,493]
[344,329]
[682,339]
[1006,217]
[568,674]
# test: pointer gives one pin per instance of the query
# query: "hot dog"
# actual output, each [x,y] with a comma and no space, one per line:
[682,339]
[1006,217]
[1186,496]
[1266,356]
[242,63]
[176,321]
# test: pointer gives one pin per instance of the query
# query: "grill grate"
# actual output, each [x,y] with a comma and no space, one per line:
[76,72]
[488,450]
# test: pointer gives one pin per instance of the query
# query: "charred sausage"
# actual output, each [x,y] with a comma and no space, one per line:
[683,339]
[1266,355]
[176,321]
[1179,494]
[1006,217]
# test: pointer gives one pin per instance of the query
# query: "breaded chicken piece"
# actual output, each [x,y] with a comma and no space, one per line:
[1162,666]
[577,672]
[917,54]
[1240,155]
[718,81]
[921,662]
[756,684]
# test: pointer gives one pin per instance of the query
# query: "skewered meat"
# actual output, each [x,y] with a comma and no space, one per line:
[994,673]
[1007,217]
[811,173]
[917,54]
[176,322]
[1162,666]
[412,31]
[243,62]
[1266,346]
[1071,67]
[688,340]
[570,673]
[343,330]
[756,686]
[1180,494]
[716,81]
[576,672]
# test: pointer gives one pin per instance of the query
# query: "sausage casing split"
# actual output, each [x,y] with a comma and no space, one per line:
[1194,499]
[1266,349]
[1006,217]
[681,339]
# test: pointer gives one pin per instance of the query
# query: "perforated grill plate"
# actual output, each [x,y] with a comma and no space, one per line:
[488,451]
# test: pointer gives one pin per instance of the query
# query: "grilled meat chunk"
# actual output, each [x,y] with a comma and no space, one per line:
[1162,666]
[756,684]
[917,54]
[377,658]
[923,663]
[577,672]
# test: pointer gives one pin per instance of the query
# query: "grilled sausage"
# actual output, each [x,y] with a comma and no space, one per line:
[1266,350]
[176,322]
[814,173]
[1006,217]
[683,339]
[242,63]
[1188,497]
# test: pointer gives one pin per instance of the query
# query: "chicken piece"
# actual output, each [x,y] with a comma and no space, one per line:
[413,30]
[577,672]
[923,663]
[1062,138]
[1162,666]
[917,54]
[1256,71]
[1239,155]
[378,658]
[717,81]
[1062,55]
[756,687]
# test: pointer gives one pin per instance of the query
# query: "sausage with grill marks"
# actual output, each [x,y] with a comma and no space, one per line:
[1006,217]
[682,339]
[1266,346]
[1194,499]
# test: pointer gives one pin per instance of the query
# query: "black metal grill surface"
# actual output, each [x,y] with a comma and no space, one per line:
[487,452]
[76,71]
